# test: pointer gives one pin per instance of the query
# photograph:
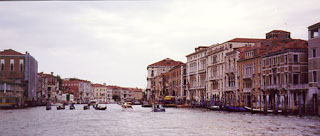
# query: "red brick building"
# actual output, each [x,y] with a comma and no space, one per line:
[18,79]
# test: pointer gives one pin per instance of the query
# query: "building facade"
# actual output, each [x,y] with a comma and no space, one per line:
[154,70]
[18,71]
[284,72]
[314,67]
[48,90]
[196,75]
[100,93]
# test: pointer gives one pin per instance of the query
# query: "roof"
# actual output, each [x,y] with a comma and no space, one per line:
[278,31]
[198,49]
[10,52]
[45,75]
[278,45]
[165,62]
[245,40]
[317,25]
[98,85]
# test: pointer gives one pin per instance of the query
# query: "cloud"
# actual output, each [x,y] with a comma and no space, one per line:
[113,42]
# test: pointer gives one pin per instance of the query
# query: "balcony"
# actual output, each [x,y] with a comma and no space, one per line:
[275,86]
[247,90]
[231,88]
[247,76]
[297,86]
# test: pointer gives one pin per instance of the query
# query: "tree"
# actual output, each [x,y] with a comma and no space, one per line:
[60,82]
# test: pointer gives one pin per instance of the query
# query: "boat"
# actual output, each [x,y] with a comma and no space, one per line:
[158,108]
[136,103]
[235,109]
[71,107]
[169,101]
[86,107]
[127,105]
[61,107]
[255,110]
[97,107]
[48,107]
[183,106]
[93,102]
[146,104]
[214,107]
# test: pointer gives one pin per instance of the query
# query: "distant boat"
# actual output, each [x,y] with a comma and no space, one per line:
[126,105]
[183,106]
[235,109]
[71,107]
[214,107]
[61,107]
[86,107]
[260,110]
[158,108]
[48,107]
[97,107]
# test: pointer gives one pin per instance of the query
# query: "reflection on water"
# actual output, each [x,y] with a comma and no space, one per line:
[141,121]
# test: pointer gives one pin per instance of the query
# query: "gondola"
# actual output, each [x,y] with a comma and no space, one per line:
[96,107]
[234,109]
[86,107]
[71,107]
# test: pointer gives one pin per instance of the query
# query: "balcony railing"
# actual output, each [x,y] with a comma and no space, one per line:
[231,88]
[247,76]
[247,90]
[285,86]
[298,86]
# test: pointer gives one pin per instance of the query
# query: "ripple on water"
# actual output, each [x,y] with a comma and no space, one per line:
[140,121]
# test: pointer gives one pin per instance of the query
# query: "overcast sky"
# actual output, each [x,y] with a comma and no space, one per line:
[114,42]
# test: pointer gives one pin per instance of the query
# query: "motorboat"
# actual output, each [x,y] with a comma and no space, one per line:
[71,107]
[97,107]
[158,108]
[214,107]
[86,107]
[126,105]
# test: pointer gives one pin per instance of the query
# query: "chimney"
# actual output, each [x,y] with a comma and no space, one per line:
[104,84]
[51,73]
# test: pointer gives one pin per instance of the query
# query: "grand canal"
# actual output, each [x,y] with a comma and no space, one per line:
[141,122]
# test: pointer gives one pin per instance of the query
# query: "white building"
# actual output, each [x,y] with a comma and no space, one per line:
[196,74]
[219,65]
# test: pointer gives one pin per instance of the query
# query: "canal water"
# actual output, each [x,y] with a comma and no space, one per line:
[142,122]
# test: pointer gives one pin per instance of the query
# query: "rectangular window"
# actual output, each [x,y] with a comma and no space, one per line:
[11,65]
[314,76]
[285,58]
[295,58]
[21,65]
[314,52]
[295,79]
[2,64]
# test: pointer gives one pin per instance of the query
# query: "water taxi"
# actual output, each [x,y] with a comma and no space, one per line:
[126,105]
